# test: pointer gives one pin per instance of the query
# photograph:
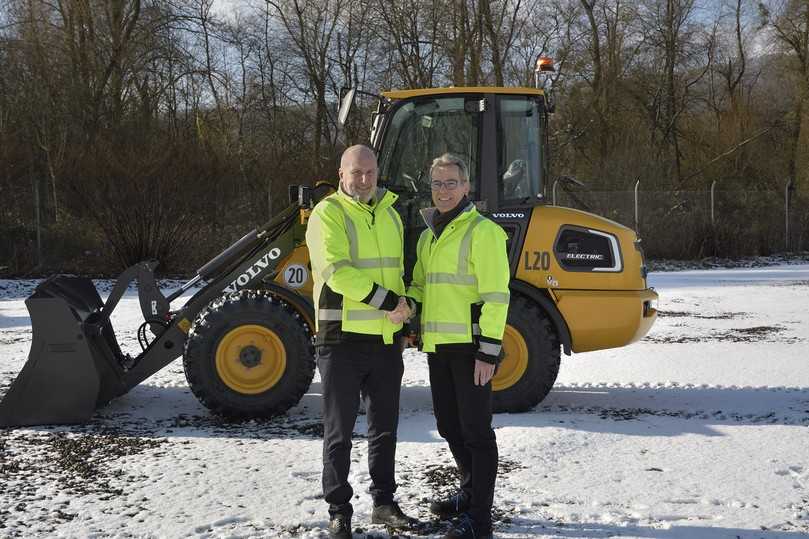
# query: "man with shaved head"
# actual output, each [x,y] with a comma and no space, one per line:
[358,172]
[355,246]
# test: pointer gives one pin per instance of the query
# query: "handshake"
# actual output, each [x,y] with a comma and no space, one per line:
[401,313]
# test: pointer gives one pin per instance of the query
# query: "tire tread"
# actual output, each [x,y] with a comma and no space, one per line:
[204,335]
[544,358]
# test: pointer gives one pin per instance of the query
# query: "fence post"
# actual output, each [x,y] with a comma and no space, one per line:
[553,192]
[713,221]
[637,220]
[786,214]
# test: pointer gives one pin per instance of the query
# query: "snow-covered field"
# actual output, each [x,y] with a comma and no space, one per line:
[700,430]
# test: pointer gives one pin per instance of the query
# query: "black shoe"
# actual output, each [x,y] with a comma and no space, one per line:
[450,507]
[466,528]
[340,526]
[392,516]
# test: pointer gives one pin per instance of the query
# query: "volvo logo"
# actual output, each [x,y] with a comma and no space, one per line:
[509,215]
[253,271]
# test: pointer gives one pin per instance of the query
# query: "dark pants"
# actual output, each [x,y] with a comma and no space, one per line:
[463,412]
[346,370]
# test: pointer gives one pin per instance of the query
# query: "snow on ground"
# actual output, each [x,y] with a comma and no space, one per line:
[700,430]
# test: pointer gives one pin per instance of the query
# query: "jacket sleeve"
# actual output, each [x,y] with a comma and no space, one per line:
[491,268]
[415,292]
[416,289]
[329,253]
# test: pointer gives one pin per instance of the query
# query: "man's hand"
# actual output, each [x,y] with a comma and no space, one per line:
[400,313]
[483,372]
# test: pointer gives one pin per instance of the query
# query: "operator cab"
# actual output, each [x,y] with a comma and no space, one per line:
[500,132]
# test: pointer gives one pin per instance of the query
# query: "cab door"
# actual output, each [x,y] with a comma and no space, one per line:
[415,132]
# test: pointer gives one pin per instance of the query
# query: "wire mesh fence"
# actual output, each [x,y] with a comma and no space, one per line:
[682,225]
[711,222]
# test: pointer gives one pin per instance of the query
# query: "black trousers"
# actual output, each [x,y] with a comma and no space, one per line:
[347,369]
[463,412]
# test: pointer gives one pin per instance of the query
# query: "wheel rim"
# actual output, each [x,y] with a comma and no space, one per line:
[515,362]
[250,359]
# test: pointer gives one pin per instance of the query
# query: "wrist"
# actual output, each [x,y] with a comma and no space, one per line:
[381,298]
[486,358]
[490,350]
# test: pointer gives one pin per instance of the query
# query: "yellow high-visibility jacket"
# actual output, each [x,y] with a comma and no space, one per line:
[461,281]
[357,265]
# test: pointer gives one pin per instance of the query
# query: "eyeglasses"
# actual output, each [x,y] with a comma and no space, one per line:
[451,185]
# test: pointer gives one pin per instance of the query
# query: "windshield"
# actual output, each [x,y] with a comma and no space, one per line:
[422,130]
[518,156]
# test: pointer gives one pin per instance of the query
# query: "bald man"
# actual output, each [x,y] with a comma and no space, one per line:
[355,246]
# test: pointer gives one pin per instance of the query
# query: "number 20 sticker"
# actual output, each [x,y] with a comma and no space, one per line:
[295,276]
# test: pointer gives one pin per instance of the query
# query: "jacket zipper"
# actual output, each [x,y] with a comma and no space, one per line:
[379,253]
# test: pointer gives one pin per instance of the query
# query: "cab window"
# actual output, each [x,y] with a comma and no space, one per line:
[518,153]
[422,130]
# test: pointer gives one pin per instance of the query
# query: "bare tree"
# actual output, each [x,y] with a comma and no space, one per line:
[728,61]
[675,45]
[789,21]
[312,27]
[609,43]
[543,29]
[411,32]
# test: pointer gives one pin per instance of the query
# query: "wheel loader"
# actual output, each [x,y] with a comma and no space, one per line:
[578,280]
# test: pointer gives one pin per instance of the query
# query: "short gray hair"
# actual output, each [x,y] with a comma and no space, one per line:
[448,160]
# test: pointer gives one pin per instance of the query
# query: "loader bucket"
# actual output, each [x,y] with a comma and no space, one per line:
[74,363]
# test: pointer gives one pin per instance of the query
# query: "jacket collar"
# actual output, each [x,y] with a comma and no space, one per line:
[428,214]
[383,197]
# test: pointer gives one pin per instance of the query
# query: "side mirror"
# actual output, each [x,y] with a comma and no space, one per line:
[345,106]
[301,195]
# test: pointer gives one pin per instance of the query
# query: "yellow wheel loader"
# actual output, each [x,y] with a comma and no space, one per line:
[578,280]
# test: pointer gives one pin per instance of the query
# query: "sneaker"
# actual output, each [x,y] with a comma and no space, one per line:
[392,516]
[467,528]
[450,507]
[340,526]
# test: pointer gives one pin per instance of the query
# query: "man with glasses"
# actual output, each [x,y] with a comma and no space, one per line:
[460,283]
[355,247]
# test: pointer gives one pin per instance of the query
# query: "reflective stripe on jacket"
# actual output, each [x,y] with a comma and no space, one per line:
[461,280]
[357,265]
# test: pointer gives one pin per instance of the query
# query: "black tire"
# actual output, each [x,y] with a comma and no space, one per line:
[273,316]
[543,357]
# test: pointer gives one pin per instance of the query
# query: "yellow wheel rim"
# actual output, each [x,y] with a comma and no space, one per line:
[250,359]
[515,362]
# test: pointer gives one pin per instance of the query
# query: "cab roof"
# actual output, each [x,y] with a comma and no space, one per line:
[406,94]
